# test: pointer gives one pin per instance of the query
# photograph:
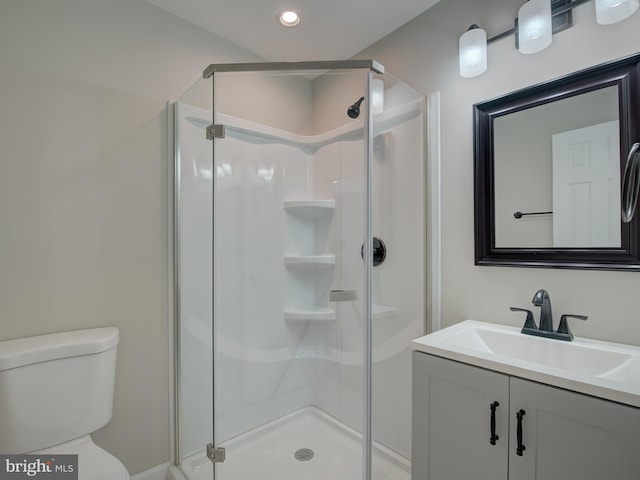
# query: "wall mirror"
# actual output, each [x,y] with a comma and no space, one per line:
[548,161]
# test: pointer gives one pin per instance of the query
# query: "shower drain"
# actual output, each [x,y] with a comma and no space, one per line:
[304,454]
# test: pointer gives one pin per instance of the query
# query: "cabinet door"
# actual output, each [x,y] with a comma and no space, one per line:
[452,421]
[571,436]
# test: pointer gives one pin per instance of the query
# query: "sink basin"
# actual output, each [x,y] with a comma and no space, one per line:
[593,367]
[512,344]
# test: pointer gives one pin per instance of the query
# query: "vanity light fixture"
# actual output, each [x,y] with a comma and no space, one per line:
[613,11]
[289,18]
[537,21]
[473,52]
[534,26]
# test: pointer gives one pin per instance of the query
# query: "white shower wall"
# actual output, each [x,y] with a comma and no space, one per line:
[262,369]
[398,177]
[266,366]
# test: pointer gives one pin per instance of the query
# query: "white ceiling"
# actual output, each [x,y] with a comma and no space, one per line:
[329,29]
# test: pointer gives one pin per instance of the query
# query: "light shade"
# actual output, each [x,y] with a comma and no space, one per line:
[377,96]
[473,52]
[534,26]
[613,11]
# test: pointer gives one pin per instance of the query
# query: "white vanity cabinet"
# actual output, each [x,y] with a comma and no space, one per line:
[566,435]
[451,421]
[569,436]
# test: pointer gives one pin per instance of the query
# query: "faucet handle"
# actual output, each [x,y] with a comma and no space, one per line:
[563,328]
[529,323]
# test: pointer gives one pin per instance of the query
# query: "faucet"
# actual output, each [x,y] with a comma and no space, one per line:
[541,299]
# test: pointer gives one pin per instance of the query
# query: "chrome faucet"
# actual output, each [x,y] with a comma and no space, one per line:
[541,299]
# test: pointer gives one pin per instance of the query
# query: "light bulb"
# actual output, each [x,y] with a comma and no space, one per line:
[473,52]
[289,18]
[613,11]
[534,26]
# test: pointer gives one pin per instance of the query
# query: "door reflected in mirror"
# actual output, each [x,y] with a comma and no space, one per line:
[558,165]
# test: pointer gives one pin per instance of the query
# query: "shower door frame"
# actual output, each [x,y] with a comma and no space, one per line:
[373,67]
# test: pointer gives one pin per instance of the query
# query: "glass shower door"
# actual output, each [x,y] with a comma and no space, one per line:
[193,279]
[289,281]
[292,208]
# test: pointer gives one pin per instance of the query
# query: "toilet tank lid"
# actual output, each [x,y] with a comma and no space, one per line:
[42,348]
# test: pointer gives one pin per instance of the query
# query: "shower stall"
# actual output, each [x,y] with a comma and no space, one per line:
[299,247]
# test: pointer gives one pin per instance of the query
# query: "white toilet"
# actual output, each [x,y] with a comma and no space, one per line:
[54,391]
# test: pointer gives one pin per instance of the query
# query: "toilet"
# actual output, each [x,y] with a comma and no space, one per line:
[54,391]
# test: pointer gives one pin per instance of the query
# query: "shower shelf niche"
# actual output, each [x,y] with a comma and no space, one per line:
[303,314]
[379,310]
[310,260]
[309,208]
[308,219]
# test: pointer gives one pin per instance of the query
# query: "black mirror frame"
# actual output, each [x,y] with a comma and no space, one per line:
[625,75]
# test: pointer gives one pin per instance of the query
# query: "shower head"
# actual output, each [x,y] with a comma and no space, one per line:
[354,110]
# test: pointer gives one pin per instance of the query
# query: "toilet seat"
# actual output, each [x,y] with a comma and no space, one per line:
[94,463]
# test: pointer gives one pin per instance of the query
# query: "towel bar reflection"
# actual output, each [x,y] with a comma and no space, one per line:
[520,214]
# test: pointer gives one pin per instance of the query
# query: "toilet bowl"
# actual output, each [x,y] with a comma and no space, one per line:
[57,389]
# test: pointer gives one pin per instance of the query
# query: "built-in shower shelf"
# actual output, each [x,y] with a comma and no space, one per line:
[310,208]
[303,314]
[310,260]
[379,310]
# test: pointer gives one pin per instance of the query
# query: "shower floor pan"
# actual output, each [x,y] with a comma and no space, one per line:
[305,445]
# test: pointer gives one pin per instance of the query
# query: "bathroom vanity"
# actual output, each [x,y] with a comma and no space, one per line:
[491,403]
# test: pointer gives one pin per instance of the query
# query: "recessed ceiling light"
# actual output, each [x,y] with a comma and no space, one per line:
[289,18]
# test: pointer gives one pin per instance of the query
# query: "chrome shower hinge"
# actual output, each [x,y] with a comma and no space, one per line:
[215,131]
[216,455]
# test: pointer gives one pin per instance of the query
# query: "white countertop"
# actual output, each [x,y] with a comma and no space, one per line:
[592,367]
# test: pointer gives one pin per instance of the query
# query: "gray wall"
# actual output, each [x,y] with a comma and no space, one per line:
[424,54]
[83,178]
[83,187]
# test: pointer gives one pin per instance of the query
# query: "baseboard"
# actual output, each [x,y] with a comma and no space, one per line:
[159,472]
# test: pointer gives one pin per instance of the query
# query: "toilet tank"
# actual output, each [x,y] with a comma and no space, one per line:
[55,388]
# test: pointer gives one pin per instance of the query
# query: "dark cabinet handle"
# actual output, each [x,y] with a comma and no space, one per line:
[521,447]
[494,437]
